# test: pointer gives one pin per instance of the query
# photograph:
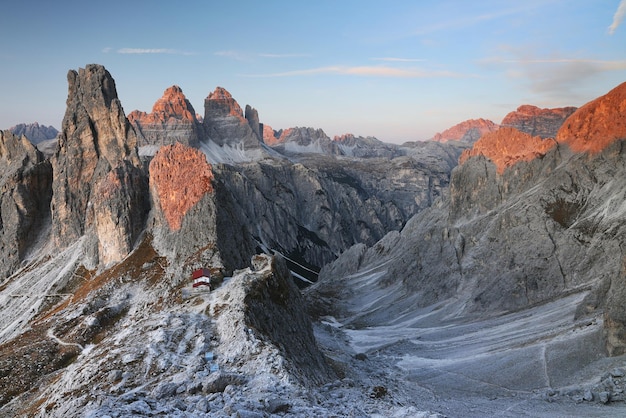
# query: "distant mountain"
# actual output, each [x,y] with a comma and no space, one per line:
[173,119]
[467,131]
[534,121]
[35,132]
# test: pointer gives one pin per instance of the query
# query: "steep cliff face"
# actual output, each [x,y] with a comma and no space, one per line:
[597,124]
[97,154]
[534,121]
[305,140]
[508,146]
[25,201]
[467,131]
[173,119]
[225,124]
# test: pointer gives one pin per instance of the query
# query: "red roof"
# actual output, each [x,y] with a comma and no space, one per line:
[203,272]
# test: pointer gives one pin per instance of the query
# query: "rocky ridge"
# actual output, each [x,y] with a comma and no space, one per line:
[544,123]
[173,119]
[466,131]
[35,132]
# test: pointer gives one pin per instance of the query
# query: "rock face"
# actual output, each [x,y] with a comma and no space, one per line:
[597,124]
[270,136]
[171,172]
[534,121]
[305,140]
[98,185]
[467,131]
[35,132]
[369,147]
[173,119]
[225,124]
[508,146]
[25,202]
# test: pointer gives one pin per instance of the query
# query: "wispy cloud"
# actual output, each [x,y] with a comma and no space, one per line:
[364,71]
[250,56]
[469,20]
[265,55]
[618,17]
[394,59]
[146,51]
[555,77]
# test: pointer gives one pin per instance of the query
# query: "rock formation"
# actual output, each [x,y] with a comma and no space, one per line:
[98,185]
[35,132]
[466,131]
[173,119]
[369,147]
[25,201]
[305,140]
[508,146]
[270,136]
[534,121]
[180,177]
[597,124]
[225,124]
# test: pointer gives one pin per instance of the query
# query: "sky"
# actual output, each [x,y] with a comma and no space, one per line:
[399,70]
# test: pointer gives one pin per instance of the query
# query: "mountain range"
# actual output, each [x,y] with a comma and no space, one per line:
[483,268]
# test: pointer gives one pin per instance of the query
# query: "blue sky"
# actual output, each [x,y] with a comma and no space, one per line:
[397,70]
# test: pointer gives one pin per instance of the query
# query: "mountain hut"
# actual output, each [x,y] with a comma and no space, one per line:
[201,277]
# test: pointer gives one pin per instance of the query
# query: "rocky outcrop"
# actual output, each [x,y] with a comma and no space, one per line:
[508,146]
[252,116]
[225,124]
[369,147]
[171,171]
[35,132]
[534,121]
[597,124]
[25,201]
[173,119]
[466,131]
[264,313]
[97,157]
[270,136]
[305,140]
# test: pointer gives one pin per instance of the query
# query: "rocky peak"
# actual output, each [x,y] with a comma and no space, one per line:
[172,105]
[170,172]
[96,140]
[507,146]
[538,122]
[270,136]
[466,131]
[221,103]
[252,116]
[597,124]
[35,132]
[225,125]
[173,119]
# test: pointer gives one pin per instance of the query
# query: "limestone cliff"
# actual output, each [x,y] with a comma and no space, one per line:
[535,121]
[173,119]
[466,131]
[98,185]
[225,124]
[25,201]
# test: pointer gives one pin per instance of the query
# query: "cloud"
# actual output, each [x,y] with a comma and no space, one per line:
[618,17]
[143,51]
[283,55]
[557,78]
[107,49]
[364,71]
[393,59]
[245,56]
